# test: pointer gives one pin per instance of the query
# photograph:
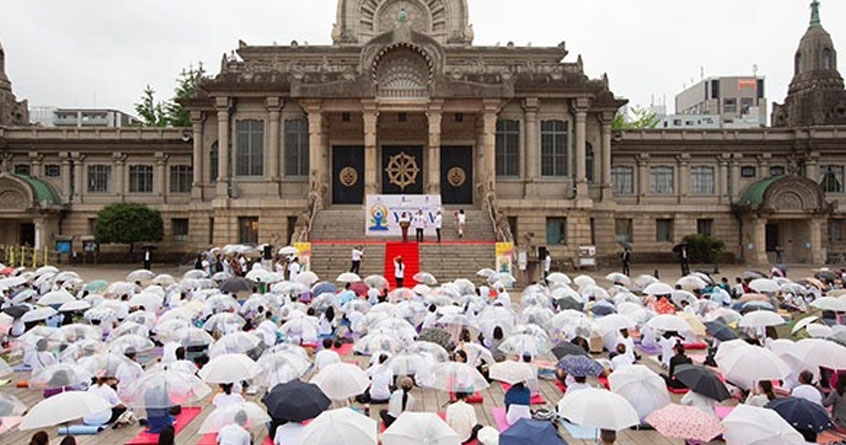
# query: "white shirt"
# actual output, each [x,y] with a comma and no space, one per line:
[706,404]
[267,329]
[128,373]
[110,396]
[419,222]
[380,382]
[395,404]
[808,393]
[462,218]
[169,351]
[429,320]
[461,417]
[233,434]
[399,269]
[289,434]
[620,360]
[325,358]
[223,400]
[439,221]
[630,347]
[293,271]
[547,263]
[357,254]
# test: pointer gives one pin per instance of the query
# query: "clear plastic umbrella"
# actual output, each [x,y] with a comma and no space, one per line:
[598,408]
[105,364]
[378,342]
[63,408]
[229,368]
[163,388]
[136,342]
[340,381]
[412,428]
[457,377]
[190,336]
[643,388]
[234,343]
[220,417]
[129,327]
[56,298]
[140,275]
[281,367]
[340,427]
[11,405]
[425,278]
[59,375]
[38,314]
[75,332]
[220,322]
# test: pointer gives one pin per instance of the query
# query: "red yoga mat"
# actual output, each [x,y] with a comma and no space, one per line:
[182,420]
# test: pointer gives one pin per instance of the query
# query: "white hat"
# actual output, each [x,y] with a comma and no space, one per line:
[488,436]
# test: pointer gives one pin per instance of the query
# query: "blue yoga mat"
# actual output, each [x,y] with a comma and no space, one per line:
[80,430]
[580,432]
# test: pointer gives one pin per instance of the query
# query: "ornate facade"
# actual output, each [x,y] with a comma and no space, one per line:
[403,102]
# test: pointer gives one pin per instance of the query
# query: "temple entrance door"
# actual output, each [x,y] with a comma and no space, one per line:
[347,175]
[457,175]
[772,237]
[27,234]
[402,170]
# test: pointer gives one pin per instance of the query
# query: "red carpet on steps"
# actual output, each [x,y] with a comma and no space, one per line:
[410,253]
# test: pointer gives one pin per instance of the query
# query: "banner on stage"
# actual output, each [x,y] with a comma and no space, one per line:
[384,211]
[304,256]
[505,257]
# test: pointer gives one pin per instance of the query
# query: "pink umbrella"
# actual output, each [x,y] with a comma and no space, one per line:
[685,422]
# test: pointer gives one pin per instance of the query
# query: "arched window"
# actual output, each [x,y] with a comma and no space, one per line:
[214,155]
[827,59]
[589,162]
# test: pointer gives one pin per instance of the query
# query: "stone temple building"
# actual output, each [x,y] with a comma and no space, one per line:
[288,141]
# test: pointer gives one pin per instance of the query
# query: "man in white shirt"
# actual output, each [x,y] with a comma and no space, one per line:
[234,433]
[622,358]
[461,417]
[399,271]
[357,253]
[267,329]
[547,267]
[128,371]
[381,380]
[294,269]
[419,226]
[326,356]
[110,396]
[439,224]
[806,390]
[626,340]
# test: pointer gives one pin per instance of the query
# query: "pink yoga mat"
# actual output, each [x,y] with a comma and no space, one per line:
[182,420]
[345,349]
[723,411]
[500,419]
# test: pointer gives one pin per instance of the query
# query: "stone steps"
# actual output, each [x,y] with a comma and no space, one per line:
[453,261]
[348,224]
[330,260]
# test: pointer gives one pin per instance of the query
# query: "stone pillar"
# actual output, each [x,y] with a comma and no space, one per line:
[642,177]
[722,178]
[580,107]
[812,170]
[273,146]
[318,159]
[434,115]
[370,115]
[222,104]
[817,224]
[35,167]
[67,187]
[758,255]
[764,165]
[197,119]
[119,163]
[734,166]
[39,232]
[607,193]
[491,109]
[682,177]
[161,176]
[78,176]
[531,148]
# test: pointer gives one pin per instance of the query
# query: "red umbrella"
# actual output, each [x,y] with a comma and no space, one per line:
[359,288]
[685,422]
[7,271]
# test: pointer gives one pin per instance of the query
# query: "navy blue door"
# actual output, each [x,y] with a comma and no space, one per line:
[457,175]
[347,175]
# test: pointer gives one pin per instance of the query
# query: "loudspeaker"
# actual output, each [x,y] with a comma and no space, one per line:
[542,252]
[268,252]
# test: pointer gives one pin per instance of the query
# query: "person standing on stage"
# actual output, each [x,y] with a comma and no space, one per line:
[357,254]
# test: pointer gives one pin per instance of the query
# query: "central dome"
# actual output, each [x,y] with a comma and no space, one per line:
[358,21]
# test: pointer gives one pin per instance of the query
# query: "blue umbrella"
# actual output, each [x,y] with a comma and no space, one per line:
[580,366]
[603,308]
[531,432]
[802,414]
[324,288]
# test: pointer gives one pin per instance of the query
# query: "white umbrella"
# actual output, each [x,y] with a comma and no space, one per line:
[149,300]
[558,278]
[58,297]
[749,425]
[486,272]
[41,313]
[229,368]
[163,280]
[801,324]
[163,387]
[598,408]
[263,276]
[221,417]
[615,322]
[348,277]
[195,274]
[760,319]
[376,281]
[824,303]
[815,352]
[307,278]
[584,281]
[340,381]
[289,250]
[691,282]
[413,428]
[140,275]
[525,344]
[643,388]
[340,427]
[425,278]
[458,377]
[63,408]
[818,331]
[73,306]
[745,366]
[667,323]
[617,277]
[764,285]
[658,289]
[512,372]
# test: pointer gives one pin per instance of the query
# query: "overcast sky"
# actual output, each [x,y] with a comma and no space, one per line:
[101,53]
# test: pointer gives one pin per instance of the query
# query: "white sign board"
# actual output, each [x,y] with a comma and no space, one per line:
[383,213]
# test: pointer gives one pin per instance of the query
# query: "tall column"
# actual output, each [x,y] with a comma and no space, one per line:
[222,104]
[370,115]
[682,177]
[812,167]
[642,176]
[532,147]
[273,146]
[734,179]
[764,165]
[817,240]
[160,176]
[607,193]
[119,163]
[722,178]
[197,118]
[759,241]
[491,109]
[35,167]
[67,187]
[318,159]
[434,115]
[580,110]
[78,178]
[39,232]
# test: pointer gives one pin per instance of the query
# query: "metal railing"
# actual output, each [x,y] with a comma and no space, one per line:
[25,256]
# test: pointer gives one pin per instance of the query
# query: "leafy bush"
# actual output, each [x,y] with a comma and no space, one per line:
[704,248]
[128,223]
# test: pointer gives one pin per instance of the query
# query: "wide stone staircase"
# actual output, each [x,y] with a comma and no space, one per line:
[328,260]
[452,261]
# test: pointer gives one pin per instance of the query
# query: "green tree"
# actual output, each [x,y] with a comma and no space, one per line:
[704,248]
[638,117]
[128,223]
[170,113]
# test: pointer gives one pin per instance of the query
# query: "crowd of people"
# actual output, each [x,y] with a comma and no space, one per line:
[154,344]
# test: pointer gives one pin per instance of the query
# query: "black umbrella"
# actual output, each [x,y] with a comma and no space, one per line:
[565,349]
[750,275]
[569,303]
[437,336]
[603,309]
[802,414]
[235,285]
[826,276]
[702,381]
[720,331]
[16,311]
[295,401]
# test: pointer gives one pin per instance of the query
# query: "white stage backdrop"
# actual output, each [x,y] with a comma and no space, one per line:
[383,213]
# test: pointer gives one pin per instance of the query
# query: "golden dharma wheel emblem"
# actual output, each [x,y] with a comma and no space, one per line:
[348,176]
[402,170]
[456,176]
